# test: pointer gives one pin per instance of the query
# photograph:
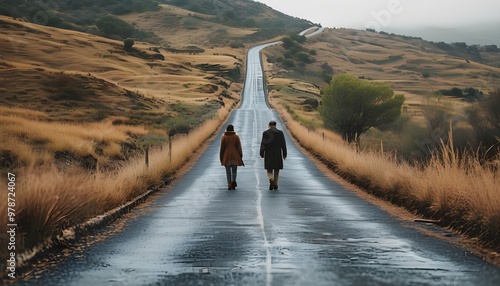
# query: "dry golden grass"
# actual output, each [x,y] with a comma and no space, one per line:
[172,23]
[21,132]
[398,61]
[63,89]
[49,198]
[31,47]
[457,190]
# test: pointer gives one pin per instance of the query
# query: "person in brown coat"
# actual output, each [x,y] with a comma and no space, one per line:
[231,155]
[273,150]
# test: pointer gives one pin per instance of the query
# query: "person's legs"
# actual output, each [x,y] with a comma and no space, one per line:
[276,178]
[228,176]
[234,170]
[270,175]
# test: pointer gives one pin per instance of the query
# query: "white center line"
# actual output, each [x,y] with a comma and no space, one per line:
[260,216]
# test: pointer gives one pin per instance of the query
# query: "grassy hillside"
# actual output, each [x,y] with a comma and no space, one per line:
[105,18]
[423,72]
[79,79]
[183,67]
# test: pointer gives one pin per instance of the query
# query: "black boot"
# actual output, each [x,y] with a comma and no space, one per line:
[271,184]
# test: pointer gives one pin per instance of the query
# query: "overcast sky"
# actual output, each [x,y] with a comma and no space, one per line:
[397,15]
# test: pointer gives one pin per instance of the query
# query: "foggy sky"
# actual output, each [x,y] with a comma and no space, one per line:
[398,16]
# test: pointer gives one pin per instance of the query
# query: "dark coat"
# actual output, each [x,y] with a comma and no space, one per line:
[273,148]
[231,153]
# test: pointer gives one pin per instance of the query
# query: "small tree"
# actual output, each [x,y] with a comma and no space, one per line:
[485,121]
[303,57]
[110,26]
[287,42]
[299,38]
[128,43]
[352,106]
[289,63]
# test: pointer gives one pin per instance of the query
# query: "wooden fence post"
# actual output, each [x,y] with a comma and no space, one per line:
[169,149]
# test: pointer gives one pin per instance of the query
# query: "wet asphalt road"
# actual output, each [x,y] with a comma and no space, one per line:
[312,231]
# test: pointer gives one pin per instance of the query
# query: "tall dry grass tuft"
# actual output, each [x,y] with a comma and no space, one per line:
[49,199]
[465,193]
[454,188]
[30,139]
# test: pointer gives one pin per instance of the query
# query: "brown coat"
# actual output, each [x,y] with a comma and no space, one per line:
[231,153]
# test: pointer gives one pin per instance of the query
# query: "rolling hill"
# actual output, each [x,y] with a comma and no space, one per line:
[61,63]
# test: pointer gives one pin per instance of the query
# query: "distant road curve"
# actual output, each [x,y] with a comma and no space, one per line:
[316,30]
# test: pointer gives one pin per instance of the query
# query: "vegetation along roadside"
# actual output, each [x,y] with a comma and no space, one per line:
[435,154]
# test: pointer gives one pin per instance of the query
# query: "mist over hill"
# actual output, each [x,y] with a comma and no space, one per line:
[479,34]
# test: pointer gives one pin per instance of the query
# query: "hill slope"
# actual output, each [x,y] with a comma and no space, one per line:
[71,65]
[73,77]
[414,67]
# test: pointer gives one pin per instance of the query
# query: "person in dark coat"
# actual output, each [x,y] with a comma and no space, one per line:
[231,155]
[273,150]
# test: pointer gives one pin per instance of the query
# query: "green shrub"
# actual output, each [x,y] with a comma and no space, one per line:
[146,5]
[236,45]
[303,57]
[110,26]
[128,43]
[289,63]
[287,42]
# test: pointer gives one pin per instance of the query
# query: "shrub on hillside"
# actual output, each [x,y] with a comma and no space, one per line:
[426,74]
[289,63]
[287,42]
[234,74]
[236,45]
[455,91]
[303,57]
[146,5]
[111,26]
[128,43]
[484,118]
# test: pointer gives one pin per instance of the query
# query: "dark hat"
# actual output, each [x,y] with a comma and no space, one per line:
[230,127]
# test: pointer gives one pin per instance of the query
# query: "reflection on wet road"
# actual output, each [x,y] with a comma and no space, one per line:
[311,231]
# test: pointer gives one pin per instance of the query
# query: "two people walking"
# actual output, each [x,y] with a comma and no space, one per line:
[272,149]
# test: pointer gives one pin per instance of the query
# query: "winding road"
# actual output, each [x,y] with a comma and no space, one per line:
[312,231]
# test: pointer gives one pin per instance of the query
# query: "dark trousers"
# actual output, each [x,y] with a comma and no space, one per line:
[231,172]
